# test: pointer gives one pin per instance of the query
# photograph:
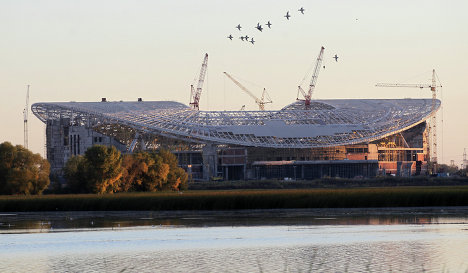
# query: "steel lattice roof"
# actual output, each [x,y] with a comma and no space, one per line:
[327,123]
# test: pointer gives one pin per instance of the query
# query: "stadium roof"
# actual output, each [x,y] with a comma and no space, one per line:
[327,123]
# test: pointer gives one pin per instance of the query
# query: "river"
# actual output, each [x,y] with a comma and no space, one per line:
[318,240]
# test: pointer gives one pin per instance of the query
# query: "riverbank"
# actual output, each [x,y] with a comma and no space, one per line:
[244,199]
[387,181]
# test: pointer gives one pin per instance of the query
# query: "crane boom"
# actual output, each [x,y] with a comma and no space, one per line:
[195,94]
[313,80]
[403,85]
[261,102]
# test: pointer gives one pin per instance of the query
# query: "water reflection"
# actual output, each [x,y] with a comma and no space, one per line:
[323,248]
[331,240]
[59,221]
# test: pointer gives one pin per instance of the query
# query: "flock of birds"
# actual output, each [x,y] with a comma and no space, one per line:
[259,27]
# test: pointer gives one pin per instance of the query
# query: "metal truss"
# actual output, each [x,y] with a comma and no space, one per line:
[327,123]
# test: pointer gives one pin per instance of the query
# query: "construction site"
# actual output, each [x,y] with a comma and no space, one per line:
[306,139]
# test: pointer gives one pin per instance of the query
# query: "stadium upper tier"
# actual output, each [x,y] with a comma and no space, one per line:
[327,123]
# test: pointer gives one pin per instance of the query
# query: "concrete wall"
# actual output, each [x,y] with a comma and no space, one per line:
[64,141]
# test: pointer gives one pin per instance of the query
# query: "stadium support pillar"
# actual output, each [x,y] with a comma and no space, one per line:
[210,166]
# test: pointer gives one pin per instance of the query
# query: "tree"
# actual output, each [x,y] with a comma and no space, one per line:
[102,168]
[144,172]
[177,177]
[74,173]
[444,168]
[21,171]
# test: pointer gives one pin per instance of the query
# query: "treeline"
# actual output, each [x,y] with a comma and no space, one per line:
[21,171]
[104,169]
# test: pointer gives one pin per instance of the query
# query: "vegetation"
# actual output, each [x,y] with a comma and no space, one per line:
[245,199]
[387,181]
[97,171]
[103,169]
[21,171]
[452,170]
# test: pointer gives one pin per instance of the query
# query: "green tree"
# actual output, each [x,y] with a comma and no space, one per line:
[102,168]
[74,173]
[21,171]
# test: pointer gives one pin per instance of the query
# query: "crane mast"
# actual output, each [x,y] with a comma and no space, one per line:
[465,162]
[195,94]
[433,121]
[313,81]
[25,119]
[260,102]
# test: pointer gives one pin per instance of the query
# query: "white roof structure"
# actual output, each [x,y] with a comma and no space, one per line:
[327,123]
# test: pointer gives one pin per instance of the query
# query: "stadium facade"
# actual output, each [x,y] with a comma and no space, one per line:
[332,138]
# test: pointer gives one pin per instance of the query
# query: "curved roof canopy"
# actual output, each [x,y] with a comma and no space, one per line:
[327,123]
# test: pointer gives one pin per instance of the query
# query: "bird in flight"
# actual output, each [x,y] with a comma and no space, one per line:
[268,24]
[230,37]
[301,10]
[246,37]
[239,27]
[287,15]
[252,41]
[336,58]
[259,27]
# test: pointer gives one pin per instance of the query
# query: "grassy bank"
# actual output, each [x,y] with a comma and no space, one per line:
[244,199]
[387,181]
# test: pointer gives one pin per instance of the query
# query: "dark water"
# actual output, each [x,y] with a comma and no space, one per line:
[331,240]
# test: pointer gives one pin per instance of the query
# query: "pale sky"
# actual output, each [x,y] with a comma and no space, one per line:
[84,50]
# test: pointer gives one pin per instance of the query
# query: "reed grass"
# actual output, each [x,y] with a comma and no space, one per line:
[244,199]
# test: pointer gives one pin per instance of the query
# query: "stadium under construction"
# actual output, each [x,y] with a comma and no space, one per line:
[306,139]
[345,138]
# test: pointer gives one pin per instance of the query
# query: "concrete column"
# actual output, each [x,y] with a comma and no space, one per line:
[210,159]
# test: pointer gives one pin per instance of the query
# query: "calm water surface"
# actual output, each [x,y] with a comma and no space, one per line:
[330,240]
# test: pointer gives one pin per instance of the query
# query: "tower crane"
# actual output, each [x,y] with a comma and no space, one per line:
[465,162]
[261,102]
[25,119]
[313,81]
[195,94]
[433,122]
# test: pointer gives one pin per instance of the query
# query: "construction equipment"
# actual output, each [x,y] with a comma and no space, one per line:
[433,122]
[465,162]
[308,96]
[195,94]
[25,119]
[261,102]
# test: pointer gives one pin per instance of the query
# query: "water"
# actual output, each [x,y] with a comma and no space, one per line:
[371,240]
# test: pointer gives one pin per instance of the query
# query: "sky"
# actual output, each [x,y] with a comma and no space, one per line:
[120,49]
